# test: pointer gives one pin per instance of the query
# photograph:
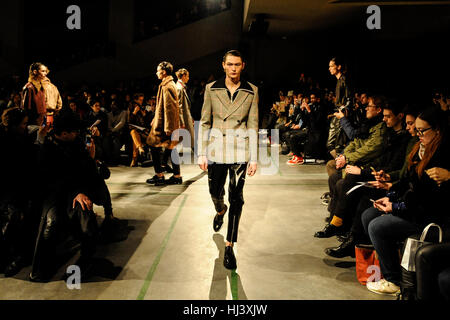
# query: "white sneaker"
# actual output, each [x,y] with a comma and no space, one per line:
[383,287]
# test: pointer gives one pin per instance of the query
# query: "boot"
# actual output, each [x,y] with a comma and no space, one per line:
[346,249]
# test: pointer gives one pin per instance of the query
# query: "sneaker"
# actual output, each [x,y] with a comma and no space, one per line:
[310,160]
[383,287]
[290,154]
[325,202]
[295,160]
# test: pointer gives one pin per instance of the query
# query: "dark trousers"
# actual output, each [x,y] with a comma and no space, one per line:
[174,158]
[433,271]
[57,221]
[385,232]
[296,140]
[217,175]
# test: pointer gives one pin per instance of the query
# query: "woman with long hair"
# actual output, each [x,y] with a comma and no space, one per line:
[414,202]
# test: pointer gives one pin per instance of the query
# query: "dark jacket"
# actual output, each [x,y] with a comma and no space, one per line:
[33,101]
[92,117]
[394,152]
[66,168]
[419,199]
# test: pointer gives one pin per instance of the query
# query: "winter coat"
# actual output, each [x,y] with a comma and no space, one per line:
[167,116]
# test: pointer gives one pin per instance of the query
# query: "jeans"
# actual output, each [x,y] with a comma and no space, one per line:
[385,231]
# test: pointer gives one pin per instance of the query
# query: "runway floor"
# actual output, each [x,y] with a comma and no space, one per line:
[172,252]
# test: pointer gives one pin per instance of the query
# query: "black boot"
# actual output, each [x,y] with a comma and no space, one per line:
[157,181]
[229,260]
[346,249]
[329,231]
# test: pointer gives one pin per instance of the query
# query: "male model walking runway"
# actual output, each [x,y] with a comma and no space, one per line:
[228,143]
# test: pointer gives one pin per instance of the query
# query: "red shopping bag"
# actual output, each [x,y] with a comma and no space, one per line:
[367,264]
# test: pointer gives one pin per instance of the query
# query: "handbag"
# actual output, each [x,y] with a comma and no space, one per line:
[367,264]
[408,261]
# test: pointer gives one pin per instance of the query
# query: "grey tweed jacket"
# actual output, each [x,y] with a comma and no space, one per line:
[228,130]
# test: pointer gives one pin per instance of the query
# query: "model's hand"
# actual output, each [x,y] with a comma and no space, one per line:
[438,174]
[136,110]
[252,167]
[203,163]
[95,131]
[353,170]
[83,200]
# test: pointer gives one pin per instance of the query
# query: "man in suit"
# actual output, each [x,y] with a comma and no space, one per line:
[228,143]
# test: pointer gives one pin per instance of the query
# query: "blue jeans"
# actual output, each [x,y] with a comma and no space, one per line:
[385,231]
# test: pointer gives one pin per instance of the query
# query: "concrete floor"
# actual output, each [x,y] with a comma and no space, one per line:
[173,253]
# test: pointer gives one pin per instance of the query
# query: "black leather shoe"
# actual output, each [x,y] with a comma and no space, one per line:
[229,260]
[157,181]
[218,220]
[173,180]
[329,231]
[346,249]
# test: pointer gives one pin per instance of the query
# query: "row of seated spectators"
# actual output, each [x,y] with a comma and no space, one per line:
[396,154]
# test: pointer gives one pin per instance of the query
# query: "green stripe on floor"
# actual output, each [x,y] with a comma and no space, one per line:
[152,270]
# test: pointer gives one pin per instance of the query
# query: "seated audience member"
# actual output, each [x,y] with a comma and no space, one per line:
[70,184]
[97,123]
[359,152]
[296,138]
[140,121]
[117,120]
[414,202]
[392,158]
[17,190]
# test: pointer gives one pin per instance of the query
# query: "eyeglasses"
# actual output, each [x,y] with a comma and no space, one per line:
[420,132]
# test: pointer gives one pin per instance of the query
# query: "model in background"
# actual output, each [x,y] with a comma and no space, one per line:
[165,122]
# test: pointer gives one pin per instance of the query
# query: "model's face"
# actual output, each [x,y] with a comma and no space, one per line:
[233,67]
[160,73]
[185,78]
[333,68]
[41,73]
[372,110]
[410,124]
[391,119]
[424,131]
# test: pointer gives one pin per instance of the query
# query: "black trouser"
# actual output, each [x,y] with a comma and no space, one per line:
[217,175]
[58,218]
[174,158]
[296,140]
[433,271]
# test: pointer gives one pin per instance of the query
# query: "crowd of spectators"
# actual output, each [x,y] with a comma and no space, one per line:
[388,165]
[395,150]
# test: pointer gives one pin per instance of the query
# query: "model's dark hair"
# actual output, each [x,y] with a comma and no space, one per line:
[339,61]
[233,53]
[167,67]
